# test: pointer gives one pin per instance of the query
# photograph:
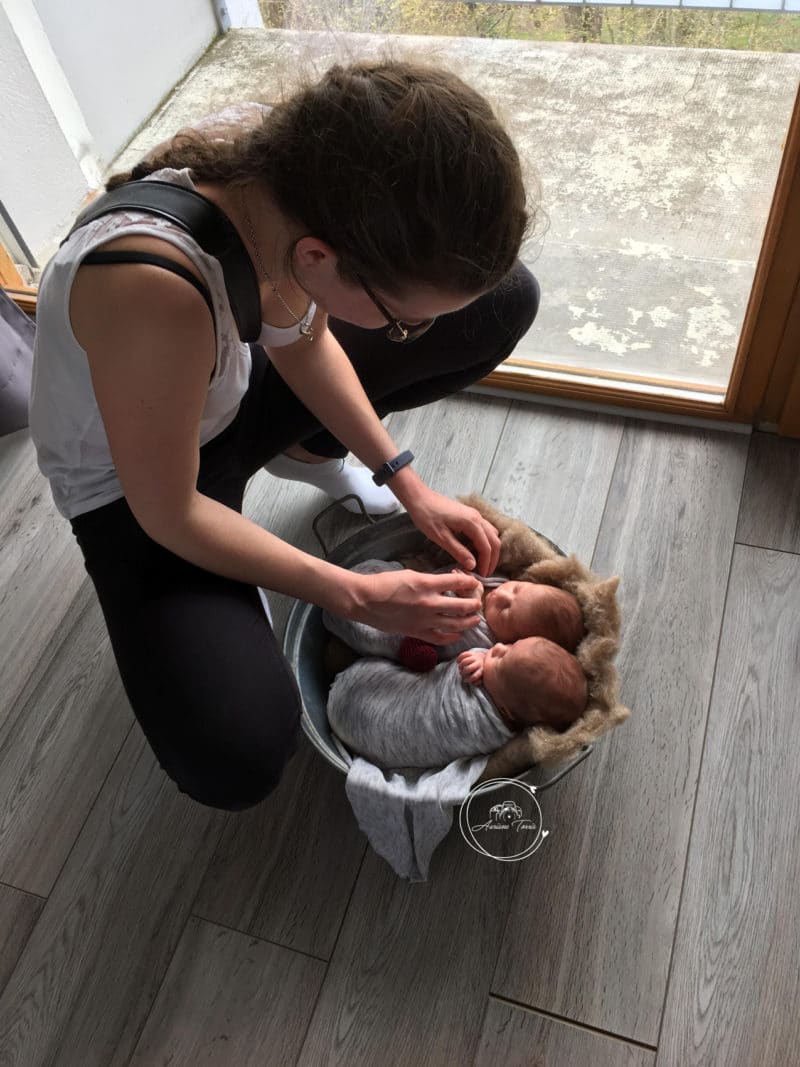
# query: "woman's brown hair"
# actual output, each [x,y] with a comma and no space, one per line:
[401,167]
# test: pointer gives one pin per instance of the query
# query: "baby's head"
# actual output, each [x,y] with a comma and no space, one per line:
[535,681]
[526,609]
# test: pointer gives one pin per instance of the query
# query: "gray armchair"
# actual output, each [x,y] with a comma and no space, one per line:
[16,359]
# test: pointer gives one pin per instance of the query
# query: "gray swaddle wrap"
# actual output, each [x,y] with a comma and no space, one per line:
[400,718]
[418,741]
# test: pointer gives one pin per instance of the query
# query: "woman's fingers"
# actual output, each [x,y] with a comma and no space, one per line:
[485,542]
[466,588]
[460,618]
[484,547]
[494,541]
[488,546]
[413,603]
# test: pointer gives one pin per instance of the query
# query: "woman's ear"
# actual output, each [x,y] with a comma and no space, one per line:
[312,253]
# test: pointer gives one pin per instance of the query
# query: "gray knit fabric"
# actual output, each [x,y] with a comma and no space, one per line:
[405,814]
[415,743]
[399,718]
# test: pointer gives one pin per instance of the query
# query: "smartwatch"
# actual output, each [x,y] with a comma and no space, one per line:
[392,466]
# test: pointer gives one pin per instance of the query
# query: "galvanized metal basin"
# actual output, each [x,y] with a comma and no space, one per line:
[305,637]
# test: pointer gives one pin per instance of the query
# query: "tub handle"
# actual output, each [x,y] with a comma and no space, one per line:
[324,512]
[570,767]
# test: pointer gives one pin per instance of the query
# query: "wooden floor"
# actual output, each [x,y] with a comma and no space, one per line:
[656,927]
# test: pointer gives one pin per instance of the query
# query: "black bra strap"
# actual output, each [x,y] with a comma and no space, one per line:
[155,261]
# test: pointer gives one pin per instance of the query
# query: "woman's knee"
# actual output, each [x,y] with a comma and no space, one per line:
[238,779]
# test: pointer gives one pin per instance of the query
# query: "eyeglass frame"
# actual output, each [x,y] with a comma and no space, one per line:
[408,331]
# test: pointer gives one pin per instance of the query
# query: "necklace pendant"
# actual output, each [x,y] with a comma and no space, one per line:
[307,330]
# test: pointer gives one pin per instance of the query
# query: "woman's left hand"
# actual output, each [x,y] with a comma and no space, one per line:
[440,518]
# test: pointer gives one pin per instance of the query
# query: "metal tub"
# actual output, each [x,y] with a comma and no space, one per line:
[305,636]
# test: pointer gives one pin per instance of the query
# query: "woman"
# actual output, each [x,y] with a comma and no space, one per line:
[384,202]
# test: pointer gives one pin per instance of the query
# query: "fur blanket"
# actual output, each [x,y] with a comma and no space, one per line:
[526,556]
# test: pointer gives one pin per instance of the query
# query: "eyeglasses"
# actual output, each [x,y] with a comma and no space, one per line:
[398,331]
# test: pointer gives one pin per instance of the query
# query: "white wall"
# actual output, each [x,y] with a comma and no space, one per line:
[122,59]
[41,182]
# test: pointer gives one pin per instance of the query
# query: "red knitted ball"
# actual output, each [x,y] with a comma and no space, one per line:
[417,655]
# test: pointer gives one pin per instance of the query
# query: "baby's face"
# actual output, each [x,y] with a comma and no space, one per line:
[501,667]
[512,609]
[535,673]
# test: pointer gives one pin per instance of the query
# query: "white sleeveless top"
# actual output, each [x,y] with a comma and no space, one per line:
[65,422]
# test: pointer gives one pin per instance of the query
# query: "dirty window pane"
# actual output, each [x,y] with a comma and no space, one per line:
[657,135]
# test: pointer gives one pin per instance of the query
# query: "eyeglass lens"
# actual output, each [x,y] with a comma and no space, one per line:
[398,330]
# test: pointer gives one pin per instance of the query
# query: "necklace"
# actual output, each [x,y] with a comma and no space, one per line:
[305,327]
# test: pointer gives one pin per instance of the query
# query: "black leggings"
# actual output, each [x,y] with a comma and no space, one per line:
[199,662]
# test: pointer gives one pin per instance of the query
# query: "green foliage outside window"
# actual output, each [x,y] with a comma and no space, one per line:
[756,31]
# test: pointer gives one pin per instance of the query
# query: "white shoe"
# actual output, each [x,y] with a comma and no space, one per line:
[337,479]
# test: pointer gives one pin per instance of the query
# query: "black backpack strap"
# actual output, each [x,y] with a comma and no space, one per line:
[130,256]
[208,225]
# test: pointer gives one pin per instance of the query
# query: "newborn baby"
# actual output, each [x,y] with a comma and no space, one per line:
[511,610]
[532,681]
[398,718]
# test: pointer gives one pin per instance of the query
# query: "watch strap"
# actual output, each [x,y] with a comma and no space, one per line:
[392,466]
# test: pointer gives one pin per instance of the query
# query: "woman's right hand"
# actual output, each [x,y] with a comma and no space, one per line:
[414,604]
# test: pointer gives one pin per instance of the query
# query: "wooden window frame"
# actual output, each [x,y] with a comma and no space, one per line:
[14,285]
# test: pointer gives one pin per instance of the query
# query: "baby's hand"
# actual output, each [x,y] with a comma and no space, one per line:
[470,664]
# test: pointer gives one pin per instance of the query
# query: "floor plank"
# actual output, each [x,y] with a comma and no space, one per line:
[59,739]
[553,469]
[735,982]
[410,975]
[18,474]
[454,441]
[284,870]
[599,903]
[41,567]
[19,913]
[515,1037]
[770,515]
[90,970]
[229,1000]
